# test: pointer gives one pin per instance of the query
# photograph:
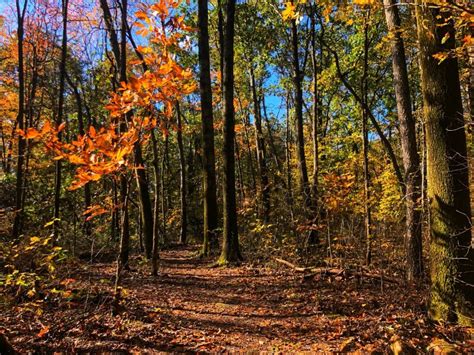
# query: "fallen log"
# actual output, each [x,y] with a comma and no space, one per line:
[293,266]
[335,271]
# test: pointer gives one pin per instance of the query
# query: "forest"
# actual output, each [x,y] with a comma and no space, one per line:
[236,176]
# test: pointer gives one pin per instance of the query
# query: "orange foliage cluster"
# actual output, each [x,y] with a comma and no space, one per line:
[105,151]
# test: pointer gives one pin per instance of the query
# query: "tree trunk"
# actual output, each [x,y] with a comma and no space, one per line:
[261,152]
[411,159]
[230,245]
[297,83]
[17,222]
[315,132]
[289,180]
[156,207]
[80,123]
[182,180]
[146,210]
[207,126]
[59,120]
[451,254]
[164,191]
[365,147]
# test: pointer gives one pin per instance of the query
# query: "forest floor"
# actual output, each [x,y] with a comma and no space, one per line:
[192,307]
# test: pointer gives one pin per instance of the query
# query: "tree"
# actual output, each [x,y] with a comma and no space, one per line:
[207,127]
[230,244]
[411,159]
[261,150]
[59,117]
[451,254]
[182,179]
[20,122]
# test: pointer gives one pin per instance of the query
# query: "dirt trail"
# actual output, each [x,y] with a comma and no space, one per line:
[193,308]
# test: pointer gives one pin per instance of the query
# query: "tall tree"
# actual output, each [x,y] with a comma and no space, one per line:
[120,54]
[261,151]
[298,101]
[411,159]
[59,117]
[182,179]
[230,244]
[451,254]
[298,76]
[365,141]
[207,127]
[20,11]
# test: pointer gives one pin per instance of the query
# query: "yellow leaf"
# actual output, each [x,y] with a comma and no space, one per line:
[364,2]
[289,12]
[34,240]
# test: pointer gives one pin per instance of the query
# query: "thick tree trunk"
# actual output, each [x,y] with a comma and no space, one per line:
[182,180]
[451,254]
[261,152]
[17,222]
[207,126]
[230,245]
[411,159]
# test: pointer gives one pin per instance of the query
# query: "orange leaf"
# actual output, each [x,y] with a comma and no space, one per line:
[43,332]
[92,131]
[32,133]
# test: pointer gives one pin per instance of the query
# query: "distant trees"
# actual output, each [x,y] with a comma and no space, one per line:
[293,97]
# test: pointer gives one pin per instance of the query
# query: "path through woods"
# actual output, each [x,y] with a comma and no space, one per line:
[191,307]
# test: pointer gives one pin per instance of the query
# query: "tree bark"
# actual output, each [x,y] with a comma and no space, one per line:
[59,120]
[261,152]
[297,83]
[315,133]
[411,159]
[17,222]
[365,146]
[80,123]
[156,207]
[451,254]
[207,127]
[230,245]
[182,180]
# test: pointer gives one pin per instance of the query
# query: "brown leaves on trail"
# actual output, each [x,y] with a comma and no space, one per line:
[194,308]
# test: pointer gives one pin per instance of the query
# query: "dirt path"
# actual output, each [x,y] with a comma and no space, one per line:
[193,308]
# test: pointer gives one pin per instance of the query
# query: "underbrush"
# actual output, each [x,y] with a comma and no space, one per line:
[30,272]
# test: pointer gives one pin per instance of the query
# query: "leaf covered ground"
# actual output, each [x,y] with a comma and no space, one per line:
[192,307]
